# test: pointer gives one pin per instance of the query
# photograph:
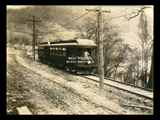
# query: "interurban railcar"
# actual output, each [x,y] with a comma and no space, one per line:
[70,54]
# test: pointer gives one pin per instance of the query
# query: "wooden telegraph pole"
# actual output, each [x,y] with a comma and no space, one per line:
[100,47]
[34,34]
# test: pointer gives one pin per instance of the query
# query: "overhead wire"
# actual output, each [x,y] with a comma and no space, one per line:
[65,17]
[66,24]
[44,33]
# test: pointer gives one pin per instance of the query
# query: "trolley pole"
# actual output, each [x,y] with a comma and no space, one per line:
[100,46]
[33,47]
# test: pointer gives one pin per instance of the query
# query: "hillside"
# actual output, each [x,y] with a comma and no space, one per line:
[52,17]
[54,14]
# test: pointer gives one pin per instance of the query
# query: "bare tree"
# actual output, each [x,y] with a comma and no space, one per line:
[113,53]
[146,44]
[88,29]
[146,41]
[132,70]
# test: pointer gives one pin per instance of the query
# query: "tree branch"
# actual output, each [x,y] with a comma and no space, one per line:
[131,16]
[139,11]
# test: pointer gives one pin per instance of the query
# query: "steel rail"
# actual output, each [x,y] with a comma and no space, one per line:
[148,89]
[125,87]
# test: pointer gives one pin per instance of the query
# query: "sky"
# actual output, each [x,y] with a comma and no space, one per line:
[128,29]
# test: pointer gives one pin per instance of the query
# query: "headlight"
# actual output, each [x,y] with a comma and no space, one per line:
[89,62]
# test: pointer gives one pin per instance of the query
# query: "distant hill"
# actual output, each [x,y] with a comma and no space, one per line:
[48,14]
[52,17]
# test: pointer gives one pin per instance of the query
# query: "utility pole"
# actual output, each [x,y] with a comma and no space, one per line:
[34,33]
[100,46]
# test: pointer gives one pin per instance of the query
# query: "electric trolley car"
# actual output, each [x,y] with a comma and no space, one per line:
[70,54]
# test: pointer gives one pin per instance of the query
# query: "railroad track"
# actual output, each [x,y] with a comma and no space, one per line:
[143,92]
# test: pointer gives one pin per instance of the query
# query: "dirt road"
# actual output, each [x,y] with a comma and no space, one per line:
[48,90]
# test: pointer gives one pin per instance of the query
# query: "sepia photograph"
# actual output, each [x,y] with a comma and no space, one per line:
[79,59]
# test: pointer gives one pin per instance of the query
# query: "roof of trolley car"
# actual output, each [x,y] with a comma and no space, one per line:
[76,42]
